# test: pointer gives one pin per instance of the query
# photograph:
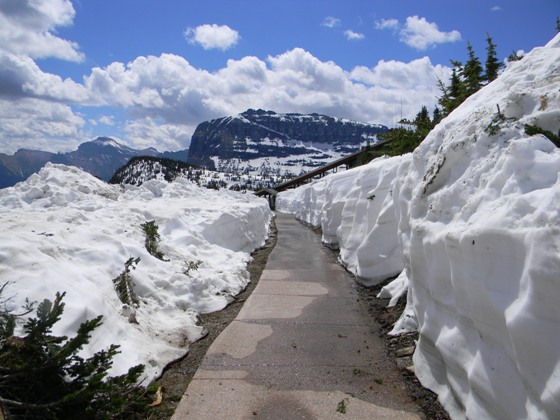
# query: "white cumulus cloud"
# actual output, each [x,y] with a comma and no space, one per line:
[420,34]
[416,74]
[146,132]
[212,36]
[35,106]
[165,97]
[107,120]
[28,27]
[353,36]
[21,77]
[38,124]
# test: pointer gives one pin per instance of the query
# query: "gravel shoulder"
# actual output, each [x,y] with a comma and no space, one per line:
[397,349]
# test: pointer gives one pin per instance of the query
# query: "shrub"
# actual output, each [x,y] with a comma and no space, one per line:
[152,239]
[124,285]
[191,266]
[532,130]
[42,375]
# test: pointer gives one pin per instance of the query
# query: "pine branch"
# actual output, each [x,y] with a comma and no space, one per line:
[20,404]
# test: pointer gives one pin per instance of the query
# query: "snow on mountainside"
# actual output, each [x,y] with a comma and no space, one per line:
[473,217]
[144,168]
[65,230]
[264,142]
[99,157]
[141,169]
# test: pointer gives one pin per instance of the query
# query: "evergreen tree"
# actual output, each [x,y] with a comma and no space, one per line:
[454,94]
[42,375]
[444,100]
[472,73]
[492,65]
[515,56]
[457,87]
[437,116]
[422,124]
[558,24]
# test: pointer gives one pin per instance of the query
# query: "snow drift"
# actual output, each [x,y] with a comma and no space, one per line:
[474,214]
[64,230]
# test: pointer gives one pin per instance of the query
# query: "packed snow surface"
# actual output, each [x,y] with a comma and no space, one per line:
[63,230]
[473,215]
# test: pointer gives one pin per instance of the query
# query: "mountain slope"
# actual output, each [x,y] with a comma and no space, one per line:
[267,141]
[100,157]
[140,169]
[64,230]
[17,167]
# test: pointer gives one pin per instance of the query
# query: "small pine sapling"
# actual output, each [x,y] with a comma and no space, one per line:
[43,376]
[191,266]
[152,239]
[124,285]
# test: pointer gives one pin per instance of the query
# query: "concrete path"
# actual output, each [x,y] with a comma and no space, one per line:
[302,347]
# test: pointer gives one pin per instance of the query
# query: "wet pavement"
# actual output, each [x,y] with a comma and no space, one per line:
[302,347]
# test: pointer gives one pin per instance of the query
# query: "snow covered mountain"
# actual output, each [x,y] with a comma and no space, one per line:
[100,157]
[267,142]
[141,169]
[470,220]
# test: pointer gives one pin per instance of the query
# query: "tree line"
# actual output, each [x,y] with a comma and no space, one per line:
[466,79]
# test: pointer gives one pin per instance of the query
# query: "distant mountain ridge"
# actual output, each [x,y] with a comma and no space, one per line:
[266,138]
[100,157]
[263,143]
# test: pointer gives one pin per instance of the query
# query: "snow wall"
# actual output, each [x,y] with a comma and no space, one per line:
[473,217]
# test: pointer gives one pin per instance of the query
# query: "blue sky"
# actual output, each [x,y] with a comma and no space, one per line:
[147,72]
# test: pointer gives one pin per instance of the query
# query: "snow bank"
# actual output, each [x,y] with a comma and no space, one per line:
[479,224]
[474,216]
[356,212]
[64,230]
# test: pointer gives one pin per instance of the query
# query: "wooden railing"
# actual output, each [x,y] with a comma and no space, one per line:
[350,161]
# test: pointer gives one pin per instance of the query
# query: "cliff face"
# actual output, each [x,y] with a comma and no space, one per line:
[266,134]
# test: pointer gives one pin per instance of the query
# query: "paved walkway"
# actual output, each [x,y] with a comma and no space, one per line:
[302,347]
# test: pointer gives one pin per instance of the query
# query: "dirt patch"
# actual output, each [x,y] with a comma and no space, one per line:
[399,349]
[177,375]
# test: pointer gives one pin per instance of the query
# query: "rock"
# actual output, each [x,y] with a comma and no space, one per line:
[405,351]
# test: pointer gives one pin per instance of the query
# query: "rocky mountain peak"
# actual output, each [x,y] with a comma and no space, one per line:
[291,140]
